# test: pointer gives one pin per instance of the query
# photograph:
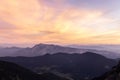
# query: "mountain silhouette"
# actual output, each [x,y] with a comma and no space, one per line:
[79,66]
[11,71]
[113,74]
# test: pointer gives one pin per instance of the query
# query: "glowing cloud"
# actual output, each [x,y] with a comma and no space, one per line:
[55,21]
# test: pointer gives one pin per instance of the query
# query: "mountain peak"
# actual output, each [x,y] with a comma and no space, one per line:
[41,45]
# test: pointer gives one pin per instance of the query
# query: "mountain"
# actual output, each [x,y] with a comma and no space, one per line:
[113,74]
[11,71]
[110,51]
[42,49]
[79,66]
[9,51]
[112,48]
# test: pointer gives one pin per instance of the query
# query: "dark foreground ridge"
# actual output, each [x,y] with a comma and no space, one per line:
[113,74]
[80,66]
[11,71]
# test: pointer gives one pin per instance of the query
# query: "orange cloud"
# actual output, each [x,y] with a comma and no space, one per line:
[36,22]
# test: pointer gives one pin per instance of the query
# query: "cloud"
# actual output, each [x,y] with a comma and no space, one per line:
[59,21]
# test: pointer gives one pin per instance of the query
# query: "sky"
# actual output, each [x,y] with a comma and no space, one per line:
[27,22]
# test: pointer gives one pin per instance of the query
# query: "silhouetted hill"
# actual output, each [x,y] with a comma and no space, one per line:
[87,65]
[113,74]
[11,71]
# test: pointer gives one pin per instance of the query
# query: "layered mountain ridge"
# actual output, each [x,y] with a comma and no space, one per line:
[80,66]
[42,49]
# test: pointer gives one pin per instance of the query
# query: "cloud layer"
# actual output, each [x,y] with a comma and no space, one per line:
[59,21]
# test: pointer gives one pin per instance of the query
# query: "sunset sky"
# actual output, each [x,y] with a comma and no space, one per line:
[60,21]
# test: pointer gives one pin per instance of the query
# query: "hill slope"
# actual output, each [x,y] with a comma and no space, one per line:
[10,71]
[87,65]
[113,74]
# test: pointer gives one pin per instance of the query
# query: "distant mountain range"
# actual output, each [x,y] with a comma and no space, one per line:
[80,66]
[42,49]
[111,48]
[11,71]
[9,51]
